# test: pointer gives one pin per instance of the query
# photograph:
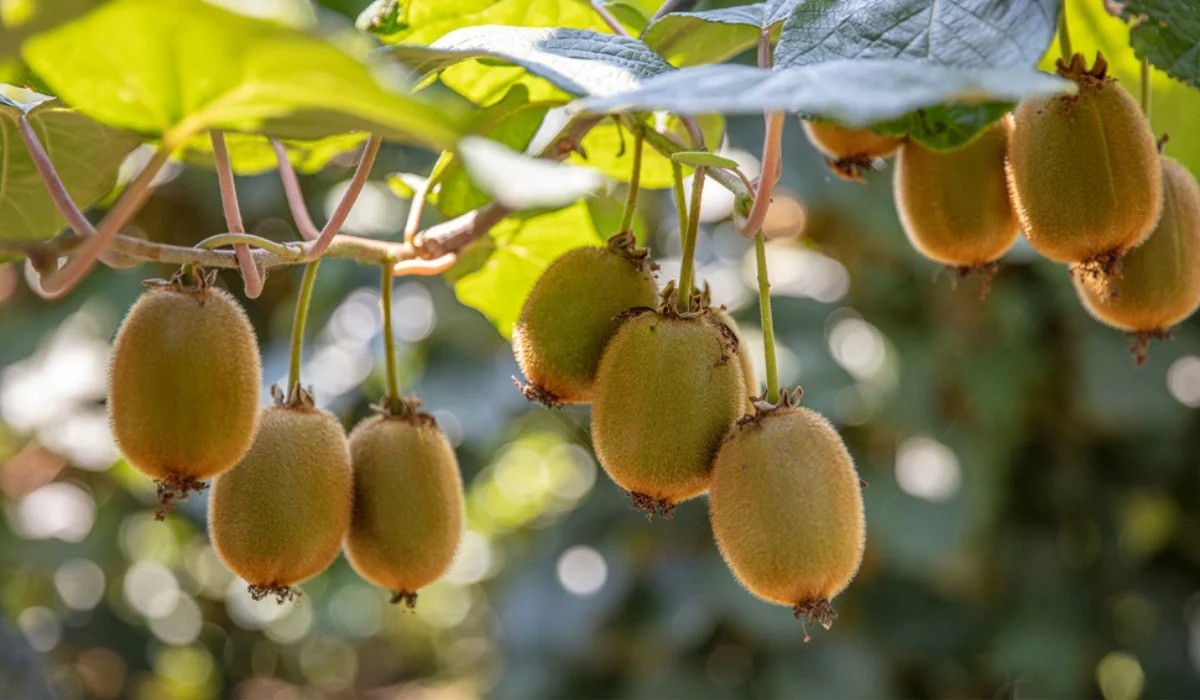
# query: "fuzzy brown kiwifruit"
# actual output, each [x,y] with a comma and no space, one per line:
[280,515]
[745,361]
[849,152]
[183,385]
[1083,171]
[668,388]
[954,205]
[571,313]
[787,509]
[408,502]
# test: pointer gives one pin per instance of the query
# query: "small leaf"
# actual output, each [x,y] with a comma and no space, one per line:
[404,185]
[964,33]
[1168,34]
[698,158]
[520,182]
[711,36]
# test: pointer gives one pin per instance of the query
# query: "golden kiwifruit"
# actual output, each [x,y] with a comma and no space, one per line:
[408,502]
[1083,171]
[1159,282]
[183,385]
[849,152]
[787,510]
[570,315]
[667,390]
[954,205]
[280,515]
[745,361]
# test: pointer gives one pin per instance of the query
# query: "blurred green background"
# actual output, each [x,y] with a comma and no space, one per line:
[1032,513]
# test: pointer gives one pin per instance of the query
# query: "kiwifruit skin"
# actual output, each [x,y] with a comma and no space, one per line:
[786,507]
[570,315]
[1083,172]
[183,383]
[667,390]
[1159,282]
[408,503]
[745,361]
[838,142]
[279,516]
[954,205]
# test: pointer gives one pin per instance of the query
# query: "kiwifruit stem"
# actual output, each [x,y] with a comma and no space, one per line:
[635,178]
[764,309]
[389,349]
[689,241]
[1064,34]
[301,317]
[1146,88]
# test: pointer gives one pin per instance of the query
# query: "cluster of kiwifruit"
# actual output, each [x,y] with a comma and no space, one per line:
[1080,174]
[674,416]
[290,490]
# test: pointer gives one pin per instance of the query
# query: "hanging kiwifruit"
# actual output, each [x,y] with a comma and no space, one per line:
[408,502]
[1083,171]
[668,388]
[279,516]
[745,360]
[787,510]
[183,384]
[1159,282]
[954,204]
[571,313]
[849,152]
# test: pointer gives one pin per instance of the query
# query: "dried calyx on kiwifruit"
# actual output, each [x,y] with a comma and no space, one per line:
[787,510]
[849,152]
[1159,284]
[954,205]
[183,384]
[668,388]
[279,516]
[1083,171]
[571,313]
[408,501]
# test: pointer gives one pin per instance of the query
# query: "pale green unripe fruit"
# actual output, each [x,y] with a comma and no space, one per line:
[571,313]
[954,205]
[408,503]
[667,390]
[787,510]
[279,516]
[183,385]
[1083,171]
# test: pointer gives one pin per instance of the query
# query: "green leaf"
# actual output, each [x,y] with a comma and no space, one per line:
[945,128]
[85,154]
[520,182]
[711,36]
[964,33]
[422,21]
[609,149]
[21,19]
[252,154]
[698,158]
[175,68]
[577,61]
[1168,34]
[496,273]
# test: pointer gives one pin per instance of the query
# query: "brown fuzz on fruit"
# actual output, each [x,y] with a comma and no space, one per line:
[279,516]
[786,508]
[1159,283]
[668,388]
[1083,171]
[408,502]
[183,384]
[954,205]
[849,153]
[745,361]
[570,315]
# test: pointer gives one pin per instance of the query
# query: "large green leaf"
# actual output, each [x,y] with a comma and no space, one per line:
[965,33]
[174,68]
[85,154]
[577,61]
[609,149]
[422,21]
[496,273]
[711,36]
[252,154]
[1168,34]
[21,19]
[520,182]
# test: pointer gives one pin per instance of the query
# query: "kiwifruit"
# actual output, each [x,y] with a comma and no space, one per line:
[570,315]
[1083,171]
[183,384]
[954,205]
[787,510]
[1159,282]
[279,516]
[849,152]
[668,388]
[745,361]
[408,502]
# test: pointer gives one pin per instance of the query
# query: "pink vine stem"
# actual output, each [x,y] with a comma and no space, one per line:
[233,216]
[772,156]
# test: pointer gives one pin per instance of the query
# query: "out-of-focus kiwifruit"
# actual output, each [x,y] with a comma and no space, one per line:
[849,152]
